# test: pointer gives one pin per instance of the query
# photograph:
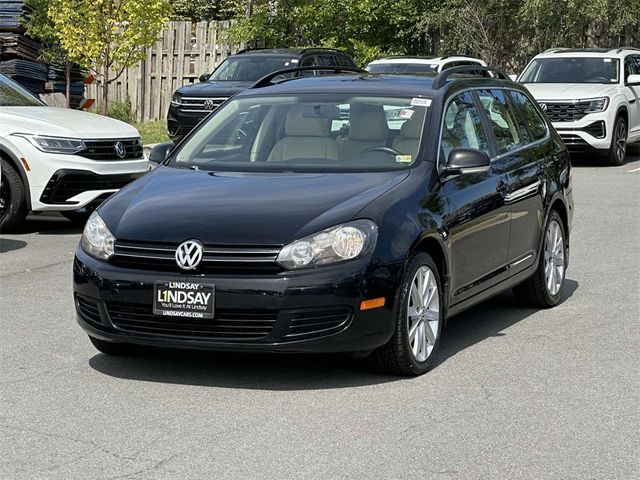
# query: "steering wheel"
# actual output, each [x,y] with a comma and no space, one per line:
[387,150]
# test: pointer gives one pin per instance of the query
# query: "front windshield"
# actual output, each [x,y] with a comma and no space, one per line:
[401,68]
[250,68]
[573,70]
[313,132]
[13,95]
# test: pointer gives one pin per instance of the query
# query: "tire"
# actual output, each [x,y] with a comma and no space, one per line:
[114,349]
[618,149]
[13,205]
[402,355]
[539,290]
[79,217]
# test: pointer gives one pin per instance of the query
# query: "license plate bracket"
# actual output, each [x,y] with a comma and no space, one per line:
[184,298]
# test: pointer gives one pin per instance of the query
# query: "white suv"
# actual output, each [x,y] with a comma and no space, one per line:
[410,65]
[592,96]
[56,159]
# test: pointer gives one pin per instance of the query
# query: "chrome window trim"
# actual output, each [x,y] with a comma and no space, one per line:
[502,155]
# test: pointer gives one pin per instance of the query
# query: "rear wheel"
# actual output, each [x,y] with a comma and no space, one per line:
[618,150]
[114,349]
[544,288]
[412,348]
[13,205]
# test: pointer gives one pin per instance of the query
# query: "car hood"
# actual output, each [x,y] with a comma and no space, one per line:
[63,122]
[213,89]
[173,205]
[566,92]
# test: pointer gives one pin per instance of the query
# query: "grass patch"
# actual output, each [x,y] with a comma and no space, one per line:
[153,132]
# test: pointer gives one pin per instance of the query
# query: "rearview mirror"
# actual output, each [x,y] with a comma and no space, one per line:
[633,80]
[159,153]
[204,77]
[467,160]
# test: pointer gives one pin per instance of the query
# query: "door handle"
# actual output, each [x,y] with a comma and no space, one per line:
[502,187]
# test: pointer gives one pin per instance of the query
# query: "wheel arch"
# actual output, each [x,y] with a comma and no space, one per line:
[10,158]
[434,246]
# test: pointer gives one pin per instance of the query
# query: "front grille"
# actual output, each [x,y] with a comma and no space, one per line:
[565,111]
[201,104]
[308,323]
[106,149]
[88,310]
[66,184]
[229,325]
[219,259]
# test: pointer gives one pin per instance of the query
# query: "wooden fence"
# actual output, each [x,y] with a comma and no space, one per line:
[183,53]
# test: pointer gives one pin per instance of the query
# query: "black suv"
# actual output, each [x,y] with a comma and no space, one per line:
[340,213]
[191,103]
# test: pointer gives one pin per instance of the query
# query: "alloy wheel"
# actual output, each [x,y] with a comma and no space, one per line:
[423,313]
[554,258]
[621,141]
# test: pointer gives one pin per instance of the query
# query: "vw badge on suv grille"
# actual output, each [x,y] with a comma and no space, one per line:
[543,106]
[120,150]
[209,105]
[189,254]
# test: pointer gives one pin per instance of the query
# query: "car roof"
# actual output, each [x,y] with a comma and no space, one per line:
[587,52]
[369,84]
[421,60]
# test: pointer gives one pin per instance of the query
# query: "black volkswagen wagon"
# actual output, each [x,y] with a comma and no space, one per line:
[339,213]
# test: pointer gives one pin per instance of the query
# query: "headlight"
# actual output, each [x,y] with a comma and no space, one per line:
[97,240]
[336,244]
[66,146]
[597,105]
[176,100]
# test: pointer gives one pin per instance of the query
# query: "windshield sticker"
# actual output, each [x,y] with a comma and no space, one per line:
[420,102]
[406,113]
[404,158]
[295,60]
[606,60]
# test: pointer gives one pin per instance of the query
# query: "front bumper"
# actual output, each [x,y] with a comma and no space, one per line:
[592,134]
[313,311]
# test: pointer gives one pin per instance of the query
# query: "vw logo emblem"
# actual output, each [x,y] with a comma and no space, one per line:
[189,254]
[120,150]
[209,105]
[543,106]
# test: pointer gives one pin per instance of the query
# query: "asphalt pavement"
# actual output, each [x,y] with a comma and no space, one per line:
[517,393]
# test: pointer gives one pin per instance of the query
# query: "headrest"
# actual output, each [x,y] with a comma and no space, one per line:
[297,125]
[412,128]
[367,123]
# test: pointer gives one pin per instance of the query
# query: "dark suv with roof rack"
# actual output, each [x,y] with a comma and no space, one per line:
[338,213]
[191,103]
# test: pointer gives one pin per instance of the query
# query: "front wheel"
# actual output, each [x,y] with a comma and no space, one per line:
[618,150]
[415,340]
[13,206]
[544,288]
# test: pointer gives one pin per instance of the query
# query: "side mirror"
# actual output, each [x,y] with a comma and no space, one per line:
[160,152]
[467,160]
[204,77]
[633,80]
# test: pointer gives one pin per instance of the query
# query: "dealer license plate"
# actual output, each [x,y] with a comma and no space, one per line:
[184,299]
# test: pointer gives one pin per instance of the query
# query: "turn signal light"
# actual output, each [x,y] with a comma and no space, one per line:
[26,165]
[371,304]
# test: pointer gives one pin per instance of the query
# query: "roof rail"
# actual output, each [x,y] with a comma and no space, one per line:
[442,77]
[621,49]
[456,55]
[321,49]
[266,80]
[245,50]
[555,49]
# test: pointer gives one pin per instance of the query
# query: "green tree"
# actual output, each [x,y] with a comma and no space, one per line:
[41,27]
[198,10]
[106,35]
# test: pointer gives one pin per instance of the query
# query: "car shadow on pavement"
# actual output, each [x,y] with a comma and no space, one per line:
[282,372]
[48,224]
[8,245]
[489,319]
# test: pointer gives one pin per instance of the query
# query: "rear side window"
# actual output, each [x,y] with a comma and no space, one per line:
[463,126]
[537,125]
[508,130]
